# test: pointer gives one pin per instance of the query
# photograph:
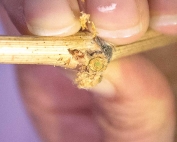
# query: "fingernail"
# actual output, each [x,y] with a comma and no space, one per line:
[166,23]
[105,89]
[122,18]
[53,17]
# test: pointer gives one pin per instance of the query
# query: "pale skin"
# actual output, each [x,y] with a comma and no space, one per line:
[134,103]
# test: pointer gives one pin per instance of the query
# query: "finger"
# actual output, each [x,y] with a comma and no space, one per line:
[164,16]
[54,17]
[119,21]
[136,103]
[58,109]
[45,17]
[15,10]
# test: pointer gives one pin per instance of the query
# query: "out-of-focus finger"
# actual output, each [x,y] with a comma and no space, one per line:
[135,103]
[58,109]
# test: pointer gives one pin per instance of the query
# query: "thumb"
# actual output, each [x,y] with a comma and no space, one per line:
[136,103]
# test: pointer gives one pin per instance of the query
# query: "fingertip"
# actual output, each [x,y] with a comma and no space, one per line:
[166,24]
[163,16]
[48,18]
[119,22]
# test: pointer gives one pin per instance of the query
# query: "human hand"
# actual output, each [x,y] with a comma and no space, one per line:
[133,103]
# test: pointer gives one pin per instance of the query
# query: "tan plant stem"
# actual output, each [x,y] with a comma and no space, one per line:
[79,51]
[150,40]
[43,50]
